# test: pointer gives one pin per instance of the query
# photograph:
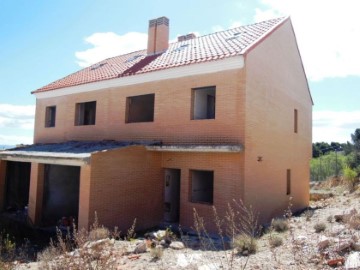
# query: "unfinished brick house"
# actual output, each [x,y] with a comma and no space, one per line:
[155,133]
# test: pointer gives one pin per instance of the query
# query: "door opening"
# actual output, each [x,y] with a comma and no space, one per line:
[172,195]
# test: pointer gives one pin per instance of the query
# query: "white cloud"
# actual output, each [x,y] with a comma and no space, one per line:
[327,32]
[109,44]
[17,116]
[331,126]
[217,28]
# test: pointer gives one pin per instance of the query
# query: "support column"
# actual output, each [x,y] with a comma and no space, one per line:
[3,165]
[84,197]
[36,192]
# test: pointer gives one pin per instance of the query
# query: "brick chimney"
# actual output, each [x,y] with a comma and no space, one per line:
[158,38]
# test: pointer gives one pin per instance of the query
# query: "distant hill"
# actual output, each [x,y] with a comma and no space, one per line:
[2,146]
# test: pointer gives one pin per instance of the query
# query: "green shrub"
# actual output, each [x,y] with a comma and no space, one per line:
[349,174]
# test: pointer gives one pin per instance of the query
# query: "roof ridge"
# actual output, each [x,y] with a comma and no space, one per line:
[241,26]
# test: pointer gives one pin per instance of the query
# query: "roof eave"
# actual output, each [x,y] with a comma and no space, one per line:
[68,159]
[228,63]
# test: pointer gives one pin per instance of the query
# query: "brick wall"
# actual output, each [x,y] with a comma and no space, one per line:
[172,122]
[129,183]
[36,192]
[276,85]
[228,182]
[126,184]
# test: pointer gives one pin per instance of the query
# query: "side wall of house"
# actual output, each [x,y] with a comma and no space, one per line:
[126,184]
[172,113]
[276,86]
[228,182]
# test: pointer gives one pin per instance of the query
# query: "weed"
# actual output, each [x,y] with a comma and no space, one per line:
[280,224]
[91,252]
[319,227]
[275,241]
[308,214]
[330,219]
[130,235]
[245,244]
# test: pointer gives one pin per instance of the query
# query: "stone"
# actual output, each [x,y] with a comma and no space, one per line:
[353,261]
[345,246]
[140,248]
[301,239]
[177,245]
[355,246]
[337,229]
[336,262]
[160,234]
[97,244]
[323,243]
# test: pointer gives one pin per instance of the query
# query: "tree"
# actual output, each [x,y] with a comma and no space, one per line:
[356,139]
[354,156]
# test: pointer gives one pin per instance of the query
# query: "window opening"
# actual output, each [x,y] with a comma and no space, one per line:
[288,182]
[50,116]
[140,108]
[85,113]
[203,103]
[202,186]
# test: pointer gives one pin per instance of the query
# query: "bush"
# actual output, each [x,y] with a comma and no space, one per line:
[280,224]
[275,241]
[99,233]
[245,244]
[319,227]
[326,166]
[308,214]
[349,174]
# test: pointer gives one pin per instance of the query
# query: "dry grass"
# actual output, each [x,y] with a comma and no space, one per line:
[280,224]
[320,227]
[275,241]
[245,244]
[90,249]
[237,231]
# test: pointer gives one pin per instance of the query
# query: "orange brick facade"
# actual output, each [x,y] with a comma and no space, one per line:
[172,122]
[254,108]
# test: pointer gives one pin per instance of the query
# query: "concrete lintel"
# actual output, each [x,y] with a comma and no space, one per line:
[197,148]
[46,158]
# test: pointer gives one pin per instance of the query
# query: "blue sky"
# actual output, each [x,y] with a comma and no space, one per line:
[41,41]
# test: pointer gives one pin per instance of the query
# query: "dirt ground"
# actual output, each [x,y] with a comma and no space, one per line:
[337,246]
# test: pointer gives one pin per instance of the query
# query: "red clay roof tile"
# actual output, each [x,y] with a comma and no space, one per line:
[201,49]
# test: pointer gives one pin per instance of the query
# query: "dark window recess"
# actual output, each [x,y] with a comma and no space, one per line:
[202,186]
[140,108]
[50,116]
[85,113]
[288,182]
[203,103]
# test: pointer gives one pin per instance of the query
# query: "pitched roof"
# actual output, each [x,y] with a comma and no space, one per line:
[210,47]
